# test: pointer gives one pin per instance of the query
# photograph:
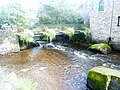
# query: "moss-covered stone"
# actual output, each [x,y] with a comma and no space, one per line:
[100,48]
[102,78]
[97,81]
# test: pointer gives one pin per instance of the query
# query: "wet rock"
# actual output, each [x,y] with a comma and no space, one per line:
[100,48]
[79,36]
[115,83]
[49,46]
[102,78]
[61,37]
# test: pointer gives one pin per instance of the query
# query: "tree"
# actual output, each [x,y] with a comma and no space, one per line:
[57,14]
[13,15]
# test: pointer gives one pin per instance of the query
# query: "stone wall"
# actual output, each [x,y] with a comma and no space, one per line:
[100,22]
[8,42]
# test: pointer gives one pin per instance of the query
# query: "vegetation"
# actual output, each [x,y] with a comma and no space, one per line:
[25,37]
[69,31]
[13,15]
[87,34]
[49,33]
[57,14]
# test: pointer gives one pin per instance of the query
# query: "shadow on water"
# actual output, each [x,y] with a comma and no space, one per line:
[64,68]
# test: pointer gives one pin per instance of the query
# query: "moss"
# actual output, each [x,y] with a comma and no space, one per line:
[100,46]
[102,78]
[103,48]
[97,81]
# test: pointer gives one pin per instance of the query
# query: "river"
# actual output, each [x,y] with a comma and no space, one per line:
[63,68]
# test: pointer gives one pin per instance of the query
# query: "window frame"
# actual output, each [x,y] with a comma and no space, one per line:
[118,24]
[101,5]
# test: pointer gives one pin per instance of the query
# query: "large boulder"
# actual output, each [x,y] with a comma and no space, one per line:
[100,48]
[102,78]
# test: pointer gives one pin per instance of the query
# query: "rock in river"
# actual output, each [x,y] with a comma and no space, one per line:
[100,48]
[49,46]
[102,78]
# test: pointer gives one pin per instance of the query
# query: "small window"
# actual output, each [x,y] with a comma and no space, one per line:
[118,21]
[101,5]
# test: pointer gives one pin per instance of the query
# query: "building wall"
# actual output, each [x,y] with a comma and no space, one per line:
[100,22]
[116,30]
[8,42]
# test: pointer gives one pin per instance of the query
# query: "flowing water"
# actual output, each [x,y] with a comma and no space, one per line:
[63,68]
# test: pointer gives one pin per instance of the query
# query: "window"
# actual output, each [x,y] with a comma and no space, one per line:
[118,21]
[101,5]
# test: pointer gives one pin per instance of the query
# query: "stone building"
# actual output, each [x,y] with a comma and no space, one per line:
[105,21]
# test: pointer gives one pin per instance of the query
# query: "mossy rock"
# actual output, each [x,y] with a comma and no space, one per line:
[100,48]
[102,78]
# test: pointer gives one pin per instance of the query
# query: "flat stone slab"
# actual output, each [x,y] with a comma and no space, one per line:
[102,78]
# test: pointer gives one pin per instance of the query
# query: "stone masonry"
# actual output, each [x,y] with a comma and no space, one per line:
[100,22]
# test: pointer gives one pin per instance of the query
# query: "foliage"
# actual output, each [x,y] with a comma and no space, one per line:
[25,36]
[50,33]
[87,33]
[69,31]
[57,14]
[13,15]
[85,30]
